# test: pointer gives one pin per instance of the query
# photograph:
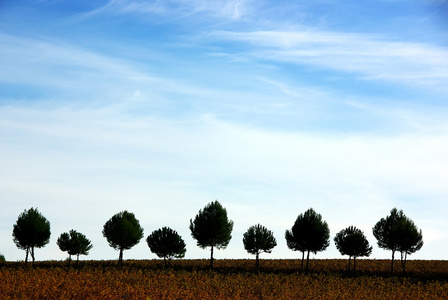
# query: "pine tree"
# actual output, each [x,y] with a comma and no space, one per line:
[308,234]
[211,228]
[74,243]
[351,241]
[122,231]
[166,243]
[258,239]
[32,230]
[397,232]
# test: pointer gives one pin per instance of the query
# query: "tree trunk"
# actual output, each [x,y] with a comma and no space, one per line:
[349,261]
[32,254]
[69,259]
[120,257]
[26,257]
[403,260]
[307,260]
[211,258]
[303,258]
[354,263]
[77,259]
[392,263]
[257,262]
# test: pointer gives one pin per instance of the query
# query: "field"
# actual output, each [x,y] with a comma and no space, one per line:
[231,279]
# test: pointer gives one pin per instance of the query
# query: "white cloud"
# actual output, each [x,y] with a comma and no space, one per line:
[62,66]
[219,9]
[370,57]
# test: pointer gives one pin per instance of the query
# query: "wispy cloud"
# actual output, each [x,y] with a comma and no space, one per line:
[369,57]
[84,76]
[220,9]
[58,63]
[70,73]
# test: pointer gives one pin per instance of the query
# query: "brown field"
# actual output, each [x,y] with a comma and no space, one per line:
[231,279]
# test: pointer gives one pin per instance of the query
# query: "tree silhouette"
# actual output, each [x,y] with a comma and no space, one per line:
[211,228]
[32,230]
[75,243]
[386,234]
[397,232]
[410,239]
[166,243]
[352,242]
[122,231]
[258,239]
[308,234]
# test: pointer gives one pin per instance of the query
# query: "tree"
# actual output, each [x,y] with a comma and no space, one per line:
[410,239]
[397,232]
[122,231]
[32,230]
[351,241]
[75,243]
[386,234]
[212,228]
[308,234]
[166,243]
[2,258]
[258,239]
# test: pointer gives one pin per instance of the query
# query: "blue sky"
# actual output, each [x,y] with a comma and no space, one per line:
[270,107]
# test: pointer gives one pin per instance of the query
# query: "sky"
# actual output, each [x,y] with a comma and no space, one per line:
[270,107]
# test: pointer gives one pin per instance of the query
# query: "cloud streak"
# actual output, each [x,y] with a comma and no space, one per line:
[368,57]
[212,10]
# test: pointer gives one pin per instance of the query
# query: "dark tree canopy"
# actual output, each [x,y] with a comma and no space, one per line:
[385,231]
[166,243]
[122,231]
[258,239]
[32,230]
[410,238]
[74,243]
[308,234]
[397,232]
[352,242]
[212,228]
